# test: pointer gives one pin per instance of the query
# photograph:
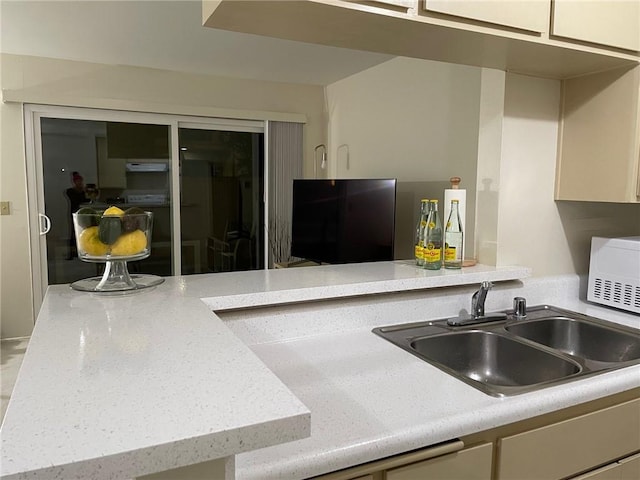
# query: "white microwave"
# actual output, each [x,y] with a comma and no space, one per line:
[614,273]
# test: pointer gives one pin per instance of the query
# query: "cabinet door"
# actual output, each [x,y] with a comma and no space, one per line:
[575,445]
[600,138]
[111,173]
[376,470]
[630,468]
[615,23]
[532,15]
[625,469]
[471,464]
[609,472]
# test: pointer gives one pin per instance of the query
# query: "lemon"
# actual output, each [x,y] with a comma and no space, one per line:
[113,212]
[130,243]
[90,243]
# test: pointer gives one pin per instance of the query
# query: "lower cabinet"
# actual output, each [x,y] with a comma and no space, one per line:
[566,448]
[629,468]
[599,440]
[446,461]
[625,469]
[471,464]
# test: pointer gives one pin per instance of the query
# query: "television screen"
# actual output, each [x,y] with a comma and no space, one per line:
[343,221]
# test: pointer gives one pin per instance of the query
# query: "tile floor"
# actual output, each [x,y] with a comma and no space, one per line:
[11,353]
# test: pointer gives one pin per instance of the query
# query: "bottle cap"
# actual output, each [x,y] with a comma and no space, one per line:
[455,182]
[455,201]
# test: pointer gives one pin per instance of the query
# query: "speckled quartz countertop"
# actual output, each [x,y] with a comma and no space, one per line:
[370,399]
[117,387]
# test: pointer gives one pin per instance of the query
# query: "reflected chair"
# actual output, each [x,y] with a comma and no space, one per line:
[224,255]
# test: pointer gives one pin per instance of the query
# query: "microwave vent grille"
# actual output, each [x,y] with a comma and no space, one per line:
[614,272]
[616,294]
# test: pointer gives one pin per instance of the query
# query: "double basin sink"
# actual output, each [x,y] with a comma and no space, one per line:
[549,347]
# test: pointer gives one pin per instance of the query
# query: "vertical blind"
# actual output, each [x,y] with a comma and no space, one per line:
[285,164]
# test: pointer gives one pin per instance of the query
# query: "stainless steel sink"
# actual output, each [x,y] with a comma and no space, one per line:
[495,359]
[591,341]
[551,346]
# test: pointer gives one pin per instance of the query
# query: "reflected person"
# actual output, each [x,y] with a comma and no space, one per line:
[76,196]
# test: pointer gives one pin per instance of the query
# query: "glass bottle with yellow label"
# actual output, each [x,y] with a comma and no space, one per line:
[432,245]
[420,229]
[453,238]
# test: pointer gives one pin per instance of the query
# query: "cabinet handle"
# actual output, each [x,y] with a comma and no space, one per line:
[397,461]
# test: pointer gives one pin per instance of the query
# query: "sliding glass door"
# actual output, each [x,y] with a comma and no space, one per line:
[96,164]
[202,178]
[221,197]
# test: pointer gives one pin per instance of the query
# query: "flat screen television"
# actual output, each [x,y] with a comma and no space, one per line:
[343,221]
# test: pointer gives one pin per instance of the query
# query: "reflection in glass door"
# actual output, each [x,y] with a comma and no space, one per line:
[69,161]
[96,164]
[93,158]
[221,198]
[212,218]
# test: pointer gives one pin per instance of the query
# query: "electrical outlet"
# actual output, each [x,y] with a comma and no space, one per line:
[4,208]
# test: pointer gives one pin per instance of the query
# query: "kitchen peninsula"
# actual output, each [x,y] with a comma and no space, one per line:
[266,374]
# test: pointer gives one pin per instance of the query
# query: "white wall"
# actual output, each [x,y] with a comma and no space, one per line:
[59,82]
[16,317]
[488,167]
[415,120]
[421,121]
[529,227]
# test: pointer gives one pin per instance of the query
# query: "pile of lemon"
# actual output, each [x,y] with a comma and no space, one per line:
[90,243]
[116,233]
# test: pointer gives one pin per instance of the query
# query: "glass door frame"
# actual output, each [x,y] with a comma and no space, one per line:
[33,113]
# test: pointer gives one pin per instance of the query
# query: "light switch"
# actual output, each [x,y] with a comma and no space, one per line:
[4,208]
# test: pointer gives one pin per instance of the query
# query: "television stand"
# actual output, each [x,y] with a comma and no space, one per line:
[297,263]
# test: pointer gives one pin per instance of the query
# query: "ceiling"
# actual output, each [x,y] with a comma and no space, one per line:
[166,34]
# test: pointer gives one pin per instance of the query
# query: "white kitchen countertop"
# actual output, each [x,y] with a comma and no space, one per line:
[370,399]
[280,286]
[115,387]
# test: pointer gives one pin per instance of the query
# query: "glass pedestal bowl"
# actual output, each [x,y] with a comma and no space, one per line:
[114,237]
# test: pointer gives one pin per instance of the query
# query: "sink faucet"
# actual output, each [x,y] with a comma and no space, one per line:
[477,309]
[477,301]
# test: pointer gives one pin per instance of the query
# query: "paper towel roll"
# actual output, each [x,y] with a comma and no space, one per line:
[460,195]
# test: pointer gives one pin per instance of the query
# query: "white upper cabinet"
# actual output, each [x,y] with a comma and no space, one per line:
[613,23]
[519,36]
[532,15]
[598,158]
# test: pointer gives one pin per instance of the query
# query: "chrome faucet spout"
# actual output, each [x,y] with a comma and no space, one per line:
[477,314]
[478,299]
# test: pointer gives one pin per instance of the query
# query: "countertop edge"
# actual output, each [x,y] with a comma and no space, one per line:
[351,286]
[190,451]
